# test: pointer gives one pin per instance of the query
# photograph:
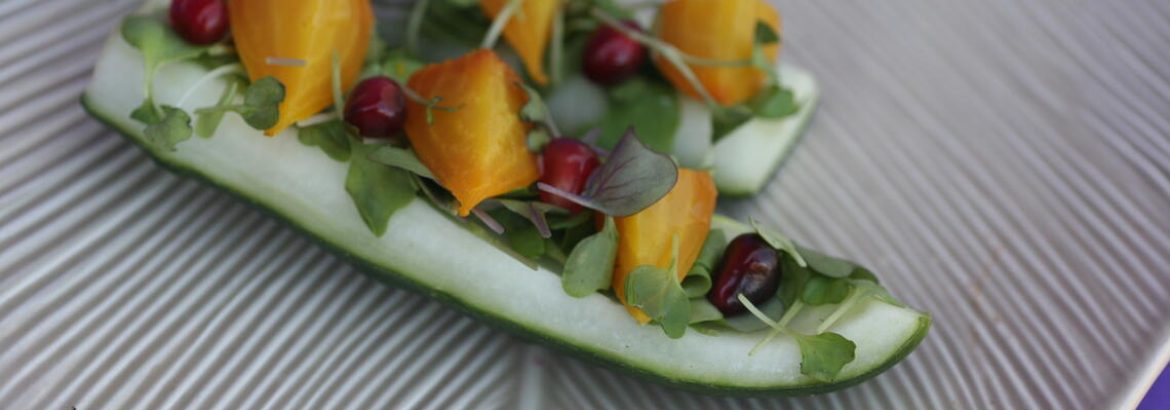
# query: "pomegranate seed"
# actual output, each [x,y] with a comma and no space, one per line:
[377,107]
[750,266]
[566,164]
[200,22]
[611,57]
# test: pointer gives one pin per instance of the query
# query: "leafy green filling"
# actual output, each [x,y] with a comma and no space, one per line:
[643,112]
[590,264]
[378,190]
[658,293]
[168,125]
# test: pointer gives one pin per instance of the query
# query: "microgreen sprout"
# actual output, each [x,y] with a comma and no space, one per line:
[430,104]
[211,75]
[822,355]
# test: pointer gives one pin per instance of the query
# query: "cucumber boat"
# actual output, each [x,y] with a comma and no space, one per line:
[427,247]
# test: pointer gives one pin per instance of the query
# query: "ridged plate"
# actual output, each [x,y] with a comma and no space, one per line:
[1004,165]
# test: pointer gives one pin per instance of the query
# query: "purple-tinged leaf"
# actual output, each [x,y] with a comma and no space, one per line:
[631,179]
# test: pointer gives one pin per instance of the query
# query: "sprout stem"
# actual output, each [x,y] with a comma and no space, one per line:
[497,27]
[216,73]
[414,25]
[558,45]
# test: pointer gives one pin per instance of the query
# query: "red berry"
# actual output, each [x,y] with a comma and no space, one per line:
[611,57]
[566,164]
[750,266]
[200,22]
[377,107]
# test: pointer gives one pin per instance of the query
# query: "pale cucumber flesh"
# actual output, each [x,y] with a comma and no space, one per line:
[743,161]
[436,254]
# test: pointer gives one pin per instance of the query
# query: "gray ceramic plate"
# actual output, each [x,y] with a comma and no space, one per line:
[1005,165]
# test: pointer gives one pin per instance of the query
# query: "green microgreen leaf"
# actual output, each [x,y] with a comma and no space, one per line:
[651,108]
[631,179]
[569,220]
[172,128]
[262,100]
[698,279]
[401,158]
[534,110]
[827,265]
[724,120]
[863,274]
[261,106]
[792,281]
[657,292]
[589,267]
[157,42]
[206,123]
[377,190]
[158,45]
[331,136]
[774,102]
[765,34]
[537,138]
[823,356]
[520,235]
[147,113]
[778,241]
[703,311]
[824,290]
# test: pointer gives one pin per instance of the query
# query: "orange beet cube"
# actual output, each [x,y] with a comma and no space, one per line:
[478,150]
[646,238]
[722,30]
[528,31]
[274,38]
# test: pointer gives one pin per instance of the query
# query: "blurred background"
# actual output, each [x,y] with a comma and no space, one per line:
[1004,165]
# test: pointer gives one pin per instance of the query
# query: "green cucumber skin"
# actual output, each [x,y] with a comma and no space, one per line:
[396,279]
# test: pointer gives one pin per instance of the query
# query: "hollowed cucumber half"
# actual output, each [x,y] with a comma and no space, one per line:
[436,255]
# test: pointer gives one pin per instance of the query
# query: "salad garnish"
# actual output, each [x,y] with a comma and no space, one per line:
[473,135]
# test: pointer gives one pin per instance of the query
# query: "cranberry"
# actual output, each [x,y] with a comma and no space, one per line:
[200,22]
[377,107]
[750,266]
[566,164]
[611,57]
